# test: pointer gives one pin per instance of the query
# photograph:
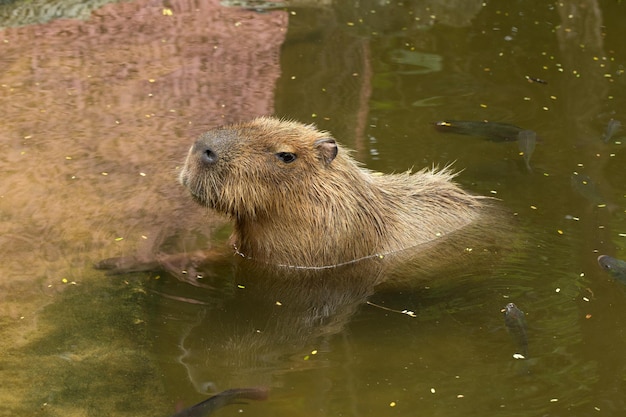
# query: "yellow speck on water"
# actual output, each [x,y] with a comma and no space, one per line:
[533,207]
[143,174]
[314,352]
[484,106]
[392,404]
[105,173]
[559,231]
[278,303]
[241,286]
[167,11]
[64,280]
[151,80]
[350,23]
[117,239]
[432,390]
[68,158]
[460,396]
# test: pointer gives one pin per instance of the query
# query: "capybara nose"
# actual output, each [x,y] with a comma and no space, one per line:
[207,155]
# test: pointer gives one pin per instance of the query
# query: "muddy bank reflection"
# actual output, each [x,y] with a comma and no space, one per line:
[97,116]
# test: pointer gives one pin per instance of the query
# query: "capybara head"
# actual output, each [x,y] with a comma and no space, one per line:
[297,197]
[251,170]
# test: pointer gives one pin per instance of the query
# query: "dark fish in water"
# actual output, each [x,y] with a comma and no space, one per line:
[612,128]
[586,187]
[497,132]
[222,399]
[616,267]
[526,140]
[515,322]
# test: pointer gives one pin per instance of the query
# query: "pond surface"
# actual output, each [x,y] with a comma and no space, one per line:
[98,115]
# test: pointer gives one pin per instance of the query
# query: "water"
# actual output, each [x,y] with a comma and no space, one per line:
[97,117]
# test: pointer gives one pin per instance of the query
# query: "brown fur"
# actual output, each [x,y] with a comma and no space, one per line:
[321,209]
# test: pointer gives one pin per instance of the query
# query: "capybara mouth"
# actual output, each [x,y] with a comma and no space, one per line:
[203,189]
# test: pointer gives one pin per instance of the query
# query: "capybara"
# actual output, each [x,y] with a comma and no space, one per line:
[298,199]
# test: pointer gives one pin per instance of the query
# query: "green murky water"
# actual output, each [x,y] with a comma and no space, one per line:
[98,114]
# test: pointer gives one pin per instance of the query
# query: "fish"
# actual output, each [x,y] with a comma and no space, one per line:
[612,128]
[526,140]
[515,321]
[616,267]
[231,396]
[586,187]
[494,131]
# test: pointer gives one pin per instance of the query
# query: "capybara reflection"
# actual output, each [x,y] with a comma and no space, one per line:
[297,198]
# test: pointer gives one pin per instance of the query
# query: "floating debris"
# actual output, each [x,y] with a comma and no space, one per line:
[535,80]
[407,312]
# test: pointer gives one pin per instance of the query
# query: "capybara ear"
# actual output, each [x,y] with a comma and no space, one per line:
[327,149]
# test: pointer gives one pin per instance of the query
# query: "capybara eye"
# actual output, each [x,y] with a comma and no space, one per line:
[286,157]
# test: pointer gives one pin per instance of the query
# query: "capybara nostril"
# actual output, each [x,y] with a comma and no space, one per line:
[208,155]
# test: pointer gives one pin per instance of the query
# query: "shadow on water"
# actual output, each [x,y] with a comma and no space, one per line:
[99,113]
